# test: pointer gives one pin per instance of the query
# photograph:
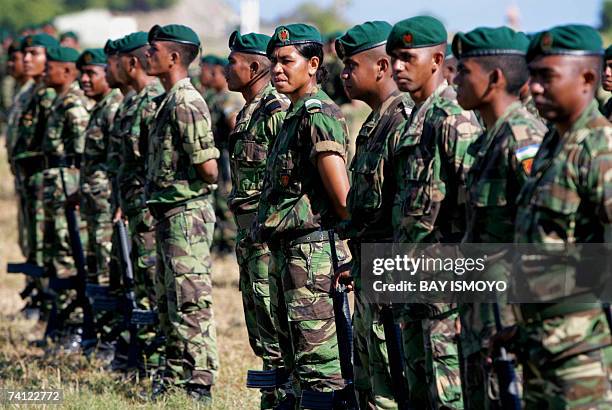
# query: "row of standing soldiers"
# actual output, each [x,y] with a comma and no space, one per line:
[434,163]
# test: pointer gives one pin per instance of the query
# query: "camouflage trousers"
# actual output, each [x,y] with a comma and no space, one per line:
[253,260]
[22,218]
[184,293]
[300,287]
[432,360]
[96,211]
[141,227]
[567,362]
[35,217]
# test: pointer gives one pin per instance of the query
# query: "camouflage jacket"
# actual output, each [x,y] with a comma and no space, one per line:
[113,158]
[431,165]
[33,121]
[178,137]
[606,110]
[256,128]
[20,102]
[370,199]
[568,197]
[503,156]
[223,105]
[132,174]
[97,139]
[293,200]
[68,118]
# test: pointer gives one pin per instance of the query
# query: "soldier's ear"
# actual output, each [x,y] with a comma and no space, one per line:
[313,65]
[590,77]
[497,79]
[384,66]
[254,67]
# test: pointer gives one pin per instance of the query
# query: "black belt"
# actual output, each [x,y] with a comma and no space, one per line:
[314,236]
[245,221]
[54,161]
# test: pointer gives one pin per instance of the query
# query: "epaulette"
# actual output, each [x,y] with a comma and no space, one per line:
[272,105]
[449,107]
[313,105]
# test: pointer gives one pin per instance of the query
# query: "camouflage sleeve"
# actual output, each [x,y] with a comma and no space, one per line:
[195,133]
[77,118]
[327,134]
[599,182]
[523,149]
[274,124]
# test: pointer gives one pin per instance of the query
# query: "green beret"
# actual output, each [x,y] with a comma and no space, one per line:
[174,32]
[252,43]
[362,37]
[485,41]
[62,54]
[69,34]
[39,40]
[92,56]
[608,53]
[132,42]
[293,34]
[416,32]
[572,39]
[208,59]
[223,62]
[16,45]
[110,47]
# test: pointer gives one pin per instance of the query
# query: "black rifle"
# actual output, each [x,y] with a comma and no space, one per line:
[344,332]
[79,282]
[393,340]
[504,368]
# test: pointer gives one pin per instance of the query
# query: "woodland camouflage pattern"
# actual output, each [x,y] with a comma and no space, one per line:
[369,203]
[567,199]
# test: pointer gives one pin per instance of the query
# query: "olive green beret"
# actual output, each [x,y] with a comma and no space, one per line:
[293,34]
[485,41]
[69,34]
[92,56]
[62,54]
[362,37]
[252,43]
[416,32]
[39,40]
[132,42]
[15,45]
[571,39]
[110,47]
[176,33]
[608,53]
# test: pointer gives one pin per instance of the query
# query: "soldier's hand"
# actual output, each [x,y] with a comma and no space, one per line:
[503,338]
[118,215]
[73,200]
[342,276]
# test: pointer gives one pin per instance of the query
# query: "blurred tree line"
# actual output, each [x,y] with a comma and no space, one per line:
[17,14]
[606,20]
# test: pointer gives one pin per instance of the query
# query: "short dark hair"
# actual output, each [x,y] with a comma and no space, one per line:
[188,52]
[309,50]
[514,67]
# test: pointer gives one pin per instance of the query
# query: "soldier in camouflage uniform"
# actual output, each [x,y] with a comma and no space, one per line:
[95,183]
[207,64]
[431,164]
[450,66]
[135,111]
[25,83]
[565,347]
[333,85]
[62,145]
[503,157]
[257,125]
[224,106]
[26,149]
[367,76]
[304,196]
[181,169]
[607,83]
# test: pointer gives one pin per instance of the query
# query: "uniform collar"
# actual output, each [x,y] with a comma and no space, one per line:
[419,112]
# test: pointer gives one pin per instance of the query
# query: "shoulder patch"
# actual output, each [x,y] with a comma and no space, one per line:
[527,152]
[313,105]
[449,107]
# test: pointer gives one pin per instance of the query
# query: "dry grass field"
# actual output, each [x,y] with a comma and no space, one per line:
[85,384]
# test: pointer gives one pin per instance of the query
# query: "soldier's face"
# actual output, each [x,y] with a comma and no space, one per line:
[218,78]
[412,68]
[557,85]
[159,58]
[111,71]
[206,75]
[450,70]
[55,73]
[14,65]
[359,75]
[238,72]
[607,76]
[290,70]
[472,84]
[69,42]
[34,59]
[93,81]
[123,68]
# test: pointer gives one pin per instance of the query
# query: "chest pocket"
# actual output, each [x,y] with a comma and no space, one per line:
[418,177]
[489,192]
[554,191]
[366,190]
[248,160]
